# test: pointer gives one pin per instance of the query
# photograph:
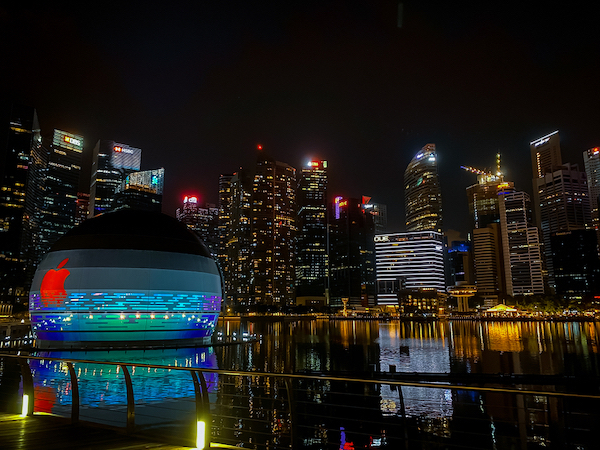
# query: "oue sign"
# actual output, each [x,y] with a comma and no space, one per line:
[381,238]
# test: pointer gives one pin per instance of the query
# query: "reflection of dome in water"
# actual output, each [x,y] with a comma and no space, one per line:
[126,278]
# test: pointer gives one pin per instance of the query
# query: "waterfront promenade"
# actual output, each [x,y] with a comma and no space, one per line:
[49,432]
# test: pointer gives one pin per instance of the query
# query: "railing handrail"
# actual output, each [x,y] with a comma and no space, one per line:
[438,385]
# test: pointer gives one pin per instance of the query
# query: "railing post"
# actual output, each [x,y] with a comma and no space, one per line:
[203,421]
[74,394]
[288,385]
[130,400]
[403,413]
[28,392]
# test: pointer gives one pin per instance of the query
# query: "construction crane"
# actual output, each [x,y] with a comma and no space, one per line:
[485,176]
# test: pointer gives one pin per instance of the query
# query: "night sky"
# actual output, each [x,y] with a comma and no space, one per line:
[198,87]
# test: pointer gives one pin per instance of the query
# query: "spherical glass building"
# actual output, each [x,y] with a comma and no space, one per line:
[126,279]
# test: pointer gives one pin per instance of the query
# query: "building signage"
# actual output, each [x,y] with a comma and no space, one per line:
[73,141]
[381,238]
[123,150]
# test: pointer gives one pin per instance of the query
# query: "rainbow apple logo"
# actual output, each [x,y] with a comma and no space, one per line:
[52,291]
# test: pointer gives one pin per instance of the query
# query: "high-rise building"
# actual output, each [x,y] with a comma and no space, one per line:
[379,213]
[563,206]
[422,195]
[483,196]
[591,163]
[82,211]
[460,264]
[545,154]
[273,232]
[576,265]
[141,190]
[351,254]
[235,221]
[521,245]
[61,183]
[489,263]
[408,261]
[20,132]
[111,162]
[311,263]
[484,206]
[204,220]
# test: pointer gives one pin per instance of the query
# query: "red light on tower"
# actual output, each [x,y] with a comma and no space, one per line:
[259,147]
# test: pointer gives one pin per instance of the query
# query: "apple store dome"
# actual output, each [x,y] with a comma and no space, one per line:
[126,279]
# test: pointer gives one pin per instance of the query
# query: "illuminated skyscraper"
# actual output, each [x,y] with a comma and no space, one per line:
[408,261]
[484,204]
[545,154]
[591,162]
[273,232]
[545,158]
[111,162]
[311,264]
[522,251]
[20,132]
[422,196]
[61,183]
[351,253]
[235,212]
[563,206]
[489,264]
[203,219]
[141,190]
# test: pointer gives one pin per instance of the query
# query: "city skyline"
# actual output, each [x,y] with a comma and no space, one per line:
[198,89]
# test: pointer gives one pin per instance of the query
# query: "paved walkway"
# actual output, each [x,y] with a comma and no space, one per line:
[48,432]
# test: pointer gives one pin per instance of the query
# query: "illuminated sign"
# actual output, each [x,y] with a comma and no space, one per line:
[187,199]
[381,238]
[73,141]
[313,163]
[52,289]
[343,203]
[123,150]
[542,140]
[336,202]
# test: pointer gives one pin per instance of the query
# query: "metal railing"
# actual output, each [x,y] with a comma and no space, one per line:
[232,409]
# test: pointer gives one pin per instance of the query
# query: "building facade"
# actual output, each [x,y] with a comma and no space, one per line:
[111,162]
[20,132]
[591,163]
[141,190]
[576,265]
[408,261]
[422,194]
[522,250]
[351,254]
[273,233]
[563,206]
[312,255]
[60,186]
[203,220]
[489,264]
[235,225]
